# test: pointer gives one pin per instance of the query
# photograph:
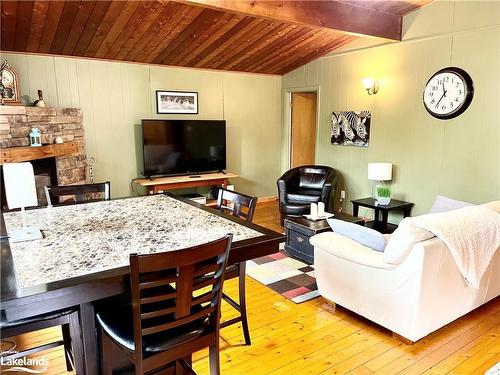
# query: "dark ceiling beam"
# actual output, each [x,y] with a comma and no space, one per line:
[341,16]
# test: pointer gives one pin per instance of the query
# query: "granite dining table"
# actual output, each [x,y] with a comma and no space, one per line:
[84,253]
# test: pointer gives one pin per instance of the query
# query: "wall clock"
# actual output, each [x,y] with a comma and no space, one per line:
[448,93]
[9,85]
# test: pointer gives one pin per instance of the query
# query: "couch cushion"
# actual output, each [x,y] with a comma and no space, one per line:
[443,204]
[365,236]
[346,248]
[402,240]
[303,196]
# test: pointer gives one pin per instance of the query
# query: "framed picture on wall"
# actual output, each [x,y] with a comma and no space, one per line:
[350,128]
[176,102]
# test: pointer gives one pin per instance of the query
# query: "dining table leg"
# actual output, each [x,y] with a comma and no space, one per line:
[89,337]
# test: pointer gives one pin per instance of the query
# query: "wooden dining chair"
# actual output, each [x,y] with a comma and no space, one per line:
[174,310]
[71,337]
[20,192]
[78,193]
[243,206]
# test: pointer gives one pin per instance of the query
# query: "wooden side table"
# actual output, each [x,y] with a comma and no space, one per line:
[162,184]
[298,230]
[378,224]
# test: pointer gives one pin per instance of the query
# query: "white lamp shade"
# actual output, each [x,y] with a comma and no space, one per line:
[380,171]
[368,82]
[20,189]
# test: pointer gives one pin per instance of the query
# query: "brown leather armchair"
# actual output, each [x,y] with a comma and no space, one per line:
[301,186]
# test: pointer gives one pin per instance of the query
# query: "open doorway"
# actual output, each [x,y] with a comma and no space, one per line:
[302,128]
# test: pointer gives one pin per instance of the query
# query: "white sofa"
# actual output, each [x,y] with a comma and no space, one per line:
[414,298]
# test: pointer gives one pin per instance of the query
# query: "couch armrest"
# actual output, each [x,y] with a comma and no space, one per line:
[346,248]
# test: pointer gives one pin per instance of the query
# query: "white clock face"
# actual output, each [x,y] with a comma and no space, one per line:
[445,93]
[7,78]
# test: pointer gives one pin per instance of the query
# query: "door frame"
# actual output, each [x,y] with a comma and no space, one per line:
[287,123]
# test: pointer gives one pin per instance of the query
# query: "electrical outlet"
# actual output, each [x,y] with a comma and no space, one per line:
[342,194]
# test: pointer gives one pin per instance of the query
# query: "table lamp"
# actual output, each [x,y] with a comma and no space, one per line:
[20,192]
[381,172]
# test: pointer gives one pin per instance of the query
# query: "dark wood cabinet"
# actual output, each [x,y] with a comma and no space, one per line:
[299,230]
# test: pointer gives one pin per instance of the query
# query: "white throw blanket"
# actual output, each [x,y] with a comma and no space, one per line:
[472,234]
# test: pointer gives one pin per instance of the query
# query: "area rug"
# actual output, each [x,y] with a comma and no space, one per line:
[287,276]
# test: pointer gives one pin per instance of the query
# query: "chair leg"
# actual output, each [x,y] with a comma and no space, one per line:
[105,352]
[179,369]
[76,343]
[243,302]
[184,366]
[213,353]
[68,352]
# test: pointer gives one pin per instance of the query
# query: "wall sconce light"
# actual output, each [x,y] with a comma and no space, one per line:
[370,85]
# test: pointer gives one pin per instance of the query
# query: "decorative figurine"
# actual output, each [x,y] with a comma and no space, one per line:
[91,169]
[39,102]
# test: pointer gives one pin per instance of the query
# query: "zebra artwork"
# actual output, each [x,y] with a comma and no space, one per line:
[350,128]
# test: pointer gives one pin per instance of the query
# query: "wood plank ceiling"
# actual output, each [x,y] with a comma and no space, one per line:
[196,34]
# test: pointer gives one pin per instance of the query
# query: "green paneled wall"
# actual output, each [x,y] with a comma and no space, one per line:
[115,97]
[459,158]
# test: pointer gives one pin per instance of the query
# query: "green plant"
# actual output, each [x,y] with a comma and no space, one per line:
[383,191]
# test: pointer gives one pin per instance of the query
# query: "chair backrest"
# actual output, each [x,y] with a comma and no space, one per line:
[242,205]
[79,193]
[19,181]
[176,288]
[313,177]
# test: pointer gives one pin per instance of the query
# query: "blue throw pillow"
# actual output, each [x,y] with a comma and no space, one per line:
[365,236]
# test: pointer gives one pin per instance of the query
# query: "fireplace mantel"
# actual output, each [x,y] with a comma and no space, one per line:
[65,123]
[28,153]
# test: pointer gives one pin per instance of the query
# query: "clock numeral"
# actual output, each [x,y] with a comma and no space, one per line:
[434,88]
[456,99]
[433,101]
[431,94]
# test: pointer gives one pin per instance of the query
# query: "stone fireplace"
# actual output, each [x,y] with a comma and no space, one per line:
[59,164]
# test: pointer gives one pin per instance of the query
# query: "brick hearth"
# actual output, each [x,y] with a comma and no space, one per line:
[15,125]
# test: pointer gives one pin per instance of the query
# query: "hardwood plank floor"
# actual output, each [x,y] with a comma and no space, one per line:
[314,338]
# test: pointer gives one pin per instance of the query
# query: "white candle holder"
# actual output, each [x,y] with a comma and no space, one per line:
[314,210]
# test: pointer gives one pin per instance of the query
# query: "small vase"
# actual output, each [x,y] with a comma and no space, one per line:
[383,194]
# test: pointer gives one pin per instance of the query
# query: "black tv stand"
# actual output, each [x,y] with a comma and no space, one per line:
[221,171]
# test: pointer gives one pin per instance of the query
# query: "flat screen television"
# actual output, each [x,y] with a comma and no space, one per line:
[176,147]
